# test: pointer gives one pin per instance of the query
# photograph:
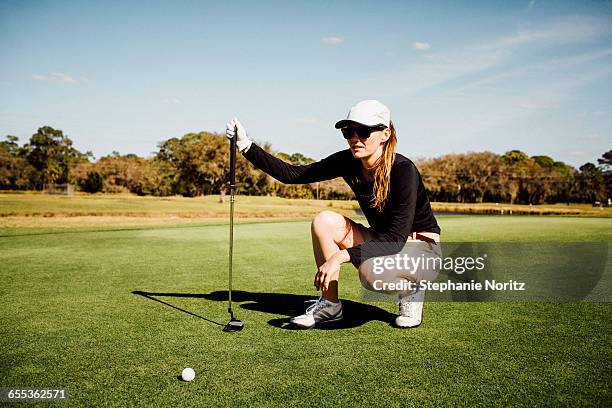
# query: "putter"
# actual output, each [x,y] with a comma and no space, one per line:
[234,324]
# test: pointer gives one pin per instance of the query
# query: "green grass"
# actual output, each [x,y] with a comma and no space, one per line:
[70,318]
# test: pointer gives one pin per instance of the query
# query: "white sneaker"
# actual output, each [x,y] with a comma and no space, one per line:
[321,311]
[410,310]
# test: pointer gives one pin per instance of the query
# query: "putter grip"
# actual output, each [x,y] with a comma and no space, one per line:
[233,157]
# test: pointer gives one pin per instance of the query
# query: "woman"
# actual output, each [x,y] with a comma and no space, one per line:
[390,192]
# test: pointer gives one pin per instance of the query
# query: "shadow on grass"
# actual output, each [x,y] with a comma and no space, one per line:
[355,314]
[151,296]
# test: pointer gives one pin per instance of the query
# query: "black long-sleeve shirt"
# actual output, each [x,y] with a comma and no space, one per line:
[407,209]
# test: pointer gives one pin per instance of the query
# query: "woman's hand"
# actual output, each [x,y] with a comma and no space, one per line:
[330,270]
[242,141]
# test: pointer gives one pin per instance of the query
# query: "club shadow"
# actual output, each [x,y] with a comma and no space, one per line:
[355,313]
[152,296]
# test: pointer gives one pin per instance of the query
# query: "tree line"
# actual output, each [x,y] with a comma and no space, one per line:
[197,164]
[515,177]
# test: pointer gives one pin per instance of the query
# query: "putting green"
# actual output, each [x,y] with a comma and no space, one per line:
[115,316]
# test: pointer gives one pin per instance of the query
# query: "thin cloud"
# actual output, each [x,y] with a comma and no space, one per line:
[595,113]
[436,68]
[540,105]
[531,4]
[568,30]
[526,91]
[509,109]
[55,77]
[171,101]
[599,113]
[332,40]
[561,64]
[421,46]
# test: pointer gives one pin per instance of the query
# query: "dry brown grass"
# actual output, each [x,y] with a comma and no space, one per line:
[32,210]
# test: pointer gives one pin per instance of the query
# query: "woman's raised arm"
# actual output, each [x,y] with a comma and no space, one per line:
[328,168]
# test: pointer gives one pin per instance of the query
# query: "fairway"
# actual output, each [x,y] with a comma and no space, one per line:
[115,315]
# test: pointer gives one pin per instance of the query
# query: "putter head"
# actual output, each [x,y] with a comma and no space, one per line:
[234,325]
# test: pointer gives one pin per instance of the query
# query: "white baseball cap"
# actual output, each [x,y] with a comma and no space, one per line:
[369,113]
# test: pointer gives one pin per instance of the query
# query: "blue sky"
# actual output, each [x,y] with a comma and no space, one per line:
[458,76]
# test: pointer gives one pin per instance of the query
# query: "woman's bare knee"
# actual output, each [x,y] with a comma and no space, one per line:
[326,222]
[334,226]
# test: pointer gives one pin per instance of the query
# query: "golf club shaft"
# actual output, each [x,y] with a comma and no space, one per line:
[232,193]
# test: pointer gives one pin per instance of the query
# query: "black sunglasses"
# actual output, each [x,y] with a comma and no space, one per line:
[363,132]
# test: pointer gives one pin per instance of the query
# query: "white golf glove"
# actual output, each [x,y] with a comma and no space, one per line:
[242,142]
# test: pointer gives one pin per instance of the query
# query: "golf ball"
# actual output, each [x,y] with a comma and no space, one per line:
[188,374]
